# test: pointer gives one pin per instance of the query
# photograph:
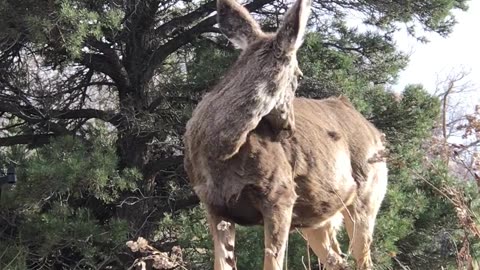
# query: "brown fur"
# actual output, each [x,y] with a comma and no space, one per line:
[307,158]
[233,104]
[244,173]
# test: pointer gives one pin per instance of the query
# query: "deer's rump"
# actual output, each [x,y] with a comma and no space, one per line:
[323,165]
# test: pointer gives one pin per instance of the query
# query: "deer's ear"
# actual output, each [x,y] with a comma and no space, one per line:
[236,23]
[290,35]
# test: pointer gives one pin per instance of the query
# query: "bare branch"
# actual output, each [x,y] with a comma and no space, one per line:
[34,139]
[108,66]
[186,20]
[30,116]
[162,52]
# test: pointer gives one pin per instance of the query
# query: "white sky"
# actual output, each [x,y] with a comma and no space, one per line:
[442,56]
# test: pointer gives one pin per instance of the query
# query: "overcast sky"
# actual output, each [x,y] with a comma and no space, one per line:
[461,50]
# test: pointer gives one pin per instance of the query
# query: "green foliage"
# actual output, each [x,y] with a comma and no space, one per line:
[61,168]
[65,210]
[189,230]
[410,119]
[79,23]
[250,245]
[343,53]
[60,207]
[208,63]
[63,24]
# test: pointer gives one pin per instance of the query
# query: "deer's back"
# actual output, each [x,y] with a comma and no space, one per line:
[329,155]
[337,120]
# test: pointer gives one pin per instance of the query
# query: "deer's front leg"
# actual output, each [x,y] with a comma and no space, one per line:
[223,233]
[276,229]
[277,217]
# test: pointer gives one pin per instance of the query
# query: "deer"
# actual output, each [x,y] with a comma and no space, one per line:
[256,154]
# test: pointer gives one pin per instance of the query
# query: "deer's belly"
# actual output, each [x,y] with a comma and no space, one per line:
[320,199]
[241,210]
[309,210]
[312,215]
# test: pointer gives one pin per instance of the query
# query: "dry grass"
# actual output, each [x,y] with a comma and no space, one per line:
[152,258]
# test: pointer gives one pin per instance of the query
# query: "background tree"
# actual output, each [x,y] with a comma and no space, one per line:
[94,97]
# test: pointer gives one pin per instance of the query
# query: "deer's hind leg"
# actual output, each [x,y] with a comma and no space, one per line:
[223,233]
[360,216]
[323,242]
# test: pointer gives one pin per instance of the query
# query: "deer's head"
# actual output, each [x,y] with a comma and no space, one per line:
[268,61]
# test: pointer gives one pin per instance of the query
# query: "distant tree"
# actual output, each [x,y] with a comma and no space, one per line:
[457,138]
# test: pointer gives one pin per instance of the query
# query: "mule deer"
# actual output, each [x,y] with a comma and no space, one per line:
[255,155]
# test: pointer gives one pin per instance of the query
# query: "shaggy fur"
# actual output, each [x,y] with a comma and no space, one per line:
[329,165]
